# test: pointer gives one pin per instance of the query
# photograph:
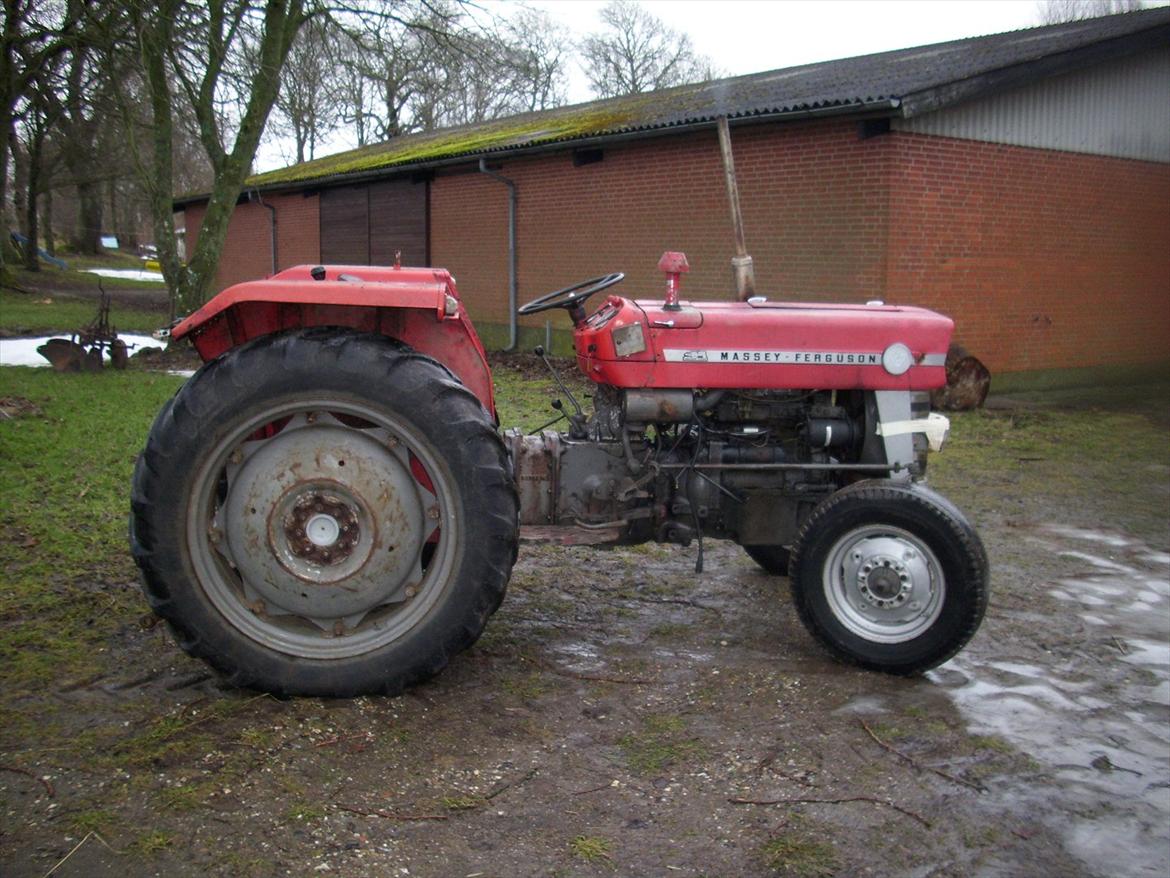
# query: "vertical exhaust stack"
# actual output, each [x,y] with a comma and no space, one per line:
[741,263]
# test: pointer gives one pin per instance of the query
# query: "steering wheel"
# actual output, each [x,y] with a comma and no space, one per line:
[572,296]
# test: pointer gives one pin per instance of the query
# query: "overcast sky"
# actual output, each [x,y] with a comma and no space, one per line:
[749,36]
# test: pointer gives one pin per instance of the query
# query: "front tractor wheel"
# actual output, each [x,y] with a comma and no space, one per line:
[324,513]
[890,576]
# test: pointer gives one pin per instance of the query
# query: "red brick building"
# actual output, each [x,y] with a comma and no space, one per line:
[1018,182]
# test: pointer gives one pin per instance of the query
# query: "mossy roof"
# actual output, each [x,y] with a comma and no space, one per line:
[906,82]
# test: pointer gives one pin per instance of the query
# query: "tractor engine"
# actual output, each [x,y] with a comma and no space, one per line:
[673,465]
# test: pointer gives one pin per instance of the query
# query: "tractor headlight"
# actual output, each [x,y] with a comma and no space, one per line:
[897,359]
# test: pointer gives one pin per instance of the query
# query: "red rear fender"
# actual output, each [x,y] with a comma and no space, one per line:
[417,306]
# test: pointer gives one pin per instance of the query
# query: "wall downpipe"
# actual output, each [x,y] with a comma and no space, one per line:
[254,195]
[512,327]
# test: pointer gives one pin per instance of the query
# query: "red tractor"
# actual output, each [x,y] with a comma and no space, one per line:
[328,507]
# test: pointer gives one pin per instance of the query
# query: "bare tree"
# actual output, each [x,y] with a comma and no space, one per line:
[1057,11]
[437,68]
[195,53]
[537,49]
[33,33]
[93,65]
[305,104]
[638,53]
[38,114]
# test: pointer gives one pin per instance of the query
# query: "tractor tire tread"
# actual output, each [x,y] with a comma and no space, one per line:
[490,493]
[974,578]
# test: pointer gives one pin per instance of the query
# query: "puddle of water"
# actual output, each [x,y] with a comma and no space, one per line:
[1102,728]
[23,351]
[864,705]
[1091,536]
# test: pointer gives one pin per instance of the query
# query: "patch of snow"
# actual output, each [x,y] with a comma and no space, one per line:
[127,274]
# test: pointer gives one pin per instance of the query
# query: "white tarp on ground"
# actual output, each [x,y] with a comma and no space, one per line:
[127,274]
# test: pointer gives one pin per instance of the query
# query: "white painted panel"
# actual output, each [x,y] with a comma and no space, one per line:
[1119,108]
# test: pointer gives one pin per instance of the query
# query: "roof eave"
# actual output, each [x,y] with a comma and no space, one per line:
[1006,78]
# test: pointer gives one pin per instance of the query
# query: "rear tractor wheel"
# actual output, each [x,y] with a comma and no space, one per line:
[324,513]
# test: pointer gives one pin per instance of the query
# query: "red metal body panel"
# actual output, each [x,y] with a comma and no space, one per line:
[417,306]
[768,345]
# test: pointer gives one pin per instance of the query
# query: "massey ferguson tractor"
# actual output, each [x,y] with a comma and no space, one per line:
[329,508]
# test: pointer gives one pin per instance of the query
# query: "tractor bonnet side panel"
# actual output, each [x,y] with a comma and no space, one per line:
[774,346]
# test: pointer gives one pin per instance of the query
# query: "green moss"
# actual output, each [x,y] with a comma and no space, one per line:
[790,854]
[660,743]
[527,687]
[188,797]
[591,848]
[153,842]
[304,811]
[93,820]
[463,803]
[530,129]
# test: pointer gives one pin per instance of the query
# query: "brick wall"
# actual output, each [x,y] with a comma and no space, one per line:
[810,194]
[1044,259]
[247,252]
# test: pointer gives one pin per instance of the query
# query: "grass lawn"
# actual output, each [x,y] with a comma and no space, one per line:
[50,276]
[68,582]
[1002,463]
[25,314]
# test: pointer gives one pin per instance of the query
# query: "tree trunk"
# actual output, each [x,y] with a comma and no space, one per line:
[47,222]
[20,192]
[112,188]
[89,218]
[32,259]
[36,155]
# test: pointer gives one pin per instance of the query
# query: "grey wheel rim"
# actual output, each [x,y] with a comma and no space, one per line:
[884,584]
[329,538]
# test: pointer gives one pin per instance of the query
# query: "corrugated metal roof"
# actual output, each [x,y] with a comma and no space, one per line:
[906,82]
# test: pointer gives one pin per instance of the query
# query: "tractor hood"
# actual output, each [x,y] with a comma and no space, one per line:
[766,345]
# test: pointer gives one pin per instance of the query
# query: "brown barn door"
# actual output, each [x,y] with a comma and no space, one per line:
[398,222]
[368,224]
[345,226]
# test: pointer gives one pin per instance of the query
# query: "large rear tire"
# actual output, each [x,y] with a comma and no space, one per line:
[324,513]
[890,576]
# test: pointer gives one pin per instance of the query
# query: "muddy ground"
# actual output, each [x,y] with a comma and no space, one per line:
[625,716]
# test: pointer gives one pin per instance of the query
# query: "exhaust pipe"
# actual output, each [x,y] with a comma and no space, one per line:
[741,263]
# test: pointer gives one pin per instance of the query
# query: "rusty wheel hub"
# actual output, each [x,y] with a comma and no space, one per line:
[321,528]
[324,521]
